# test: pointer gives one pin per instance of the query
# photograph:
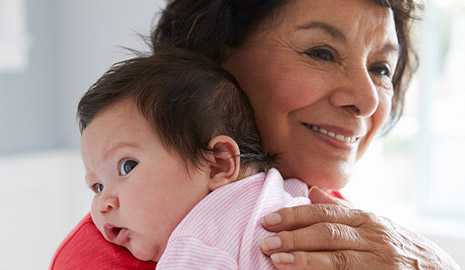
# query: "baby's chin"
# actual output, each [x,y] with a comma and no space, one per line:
[145,254]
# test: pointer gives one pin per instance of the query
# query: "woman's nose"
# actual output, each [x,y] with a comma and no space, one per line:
[358,95]
[108,203]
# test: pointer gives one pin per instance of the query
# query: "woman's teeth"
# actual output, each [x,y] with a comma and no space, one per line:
[339,137]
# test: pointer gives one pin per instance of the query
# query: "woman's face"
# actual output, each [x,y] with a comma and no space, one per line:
[318,75]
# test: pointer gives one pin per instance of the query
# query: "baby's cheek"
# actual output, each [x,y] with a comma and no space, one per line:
[96,217]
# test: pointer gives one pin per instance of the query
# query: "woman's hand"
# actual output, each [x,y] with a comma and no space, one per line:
[329,235]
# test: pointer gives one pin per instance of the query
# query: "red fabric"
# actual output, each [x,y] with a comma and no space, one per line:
[86,249]
[338,195]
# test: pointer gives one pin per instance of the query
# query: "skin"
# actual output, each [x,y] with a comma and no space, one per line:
[327,63]
[138,199]
[295,75]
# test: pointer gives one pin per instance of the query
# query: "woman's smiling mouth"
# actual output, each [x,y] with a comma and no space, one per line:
[333,135]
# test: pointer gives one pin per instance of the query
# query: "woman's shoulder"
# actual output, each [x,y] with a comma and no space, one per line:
[85,248]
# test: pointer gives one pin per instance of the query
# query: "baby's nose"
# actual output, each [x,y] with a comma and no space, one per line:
[108,204]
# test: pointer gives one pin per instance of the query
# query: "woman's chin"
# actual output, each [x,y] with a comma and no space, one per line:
[325,176]
[321,181]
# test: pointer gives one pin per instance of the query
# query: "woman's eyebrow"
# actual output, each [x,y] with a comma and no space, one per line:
[391,48]
[325,27]
[339,35]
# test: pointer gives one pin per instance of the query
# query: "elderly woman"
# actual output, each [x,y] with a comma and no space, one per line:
[324,77]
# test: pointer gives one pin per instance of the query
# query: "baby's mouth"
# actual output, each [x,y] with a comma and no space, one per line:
[116,235]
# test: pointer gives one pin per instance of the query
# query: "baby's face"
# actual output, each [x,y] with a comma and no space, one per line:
[142,191]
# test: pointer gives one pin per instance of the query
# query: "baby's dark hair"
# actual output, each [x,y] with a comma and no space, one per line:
[187,98]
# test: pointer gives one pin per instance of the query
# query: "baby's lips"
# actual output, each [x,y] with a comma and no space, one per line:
[122,237]
[116,235]
[108,232]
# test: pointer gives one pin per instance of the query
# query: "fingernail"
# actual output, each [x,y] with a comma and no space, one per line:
[314,189]
[282,258]
[272,219]
[271,243]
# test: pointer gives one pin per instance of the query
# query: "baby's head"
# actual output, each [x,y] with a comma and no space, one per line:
[159,133]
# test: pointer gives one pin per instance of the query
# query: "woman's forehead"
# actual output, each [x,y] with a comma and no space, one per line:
[338,18]
[361,23]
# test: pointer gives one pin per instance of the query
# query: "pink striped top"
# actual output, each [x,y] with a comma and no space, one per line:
[223,231]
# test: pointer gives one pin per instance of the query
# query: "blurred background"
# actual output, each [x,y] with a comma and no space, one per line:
[52,50]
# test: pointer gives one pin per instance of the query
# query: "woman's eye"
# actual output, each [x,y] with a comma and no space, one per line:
[320,53]
[126,166]
[97,187]
[381,70]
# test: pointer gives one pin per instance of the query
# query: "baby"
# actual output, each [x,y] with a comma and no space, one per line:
[171,150]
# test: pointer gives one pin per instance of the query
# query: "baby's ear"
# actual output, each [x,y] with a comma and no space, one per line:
[223,161]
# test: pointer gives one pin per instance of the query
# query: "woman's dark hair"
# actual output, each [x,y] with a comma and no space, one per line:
[187,98]
[210,27]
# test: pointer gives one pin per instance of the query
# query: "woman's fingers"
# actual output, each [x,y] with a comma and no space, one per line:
[293,218]
[324,237]
[336,237]
[337,260]
[332,236]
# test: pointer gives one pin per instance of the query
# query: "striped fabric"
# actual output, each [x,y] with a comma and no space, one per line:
[223,231]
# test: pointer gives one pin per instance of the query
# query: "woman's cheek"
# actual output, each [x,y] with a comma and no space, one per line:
[377,121]
[295,90]
[384,110]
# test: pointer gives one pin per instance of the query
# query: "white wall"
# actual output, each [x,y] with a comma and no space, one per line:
[71,43]
[27,99]
[41,199]
[90,35]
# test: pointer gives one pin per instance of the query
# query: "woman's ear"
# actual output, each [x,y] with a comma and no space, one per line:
[223,162]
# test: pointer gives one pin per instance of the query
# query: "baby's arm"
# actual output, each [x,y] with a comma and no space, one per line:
[191,253]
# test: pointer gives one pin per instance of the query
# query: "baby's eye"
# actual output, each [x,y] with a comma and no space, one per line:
[97,188]
[126,166]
